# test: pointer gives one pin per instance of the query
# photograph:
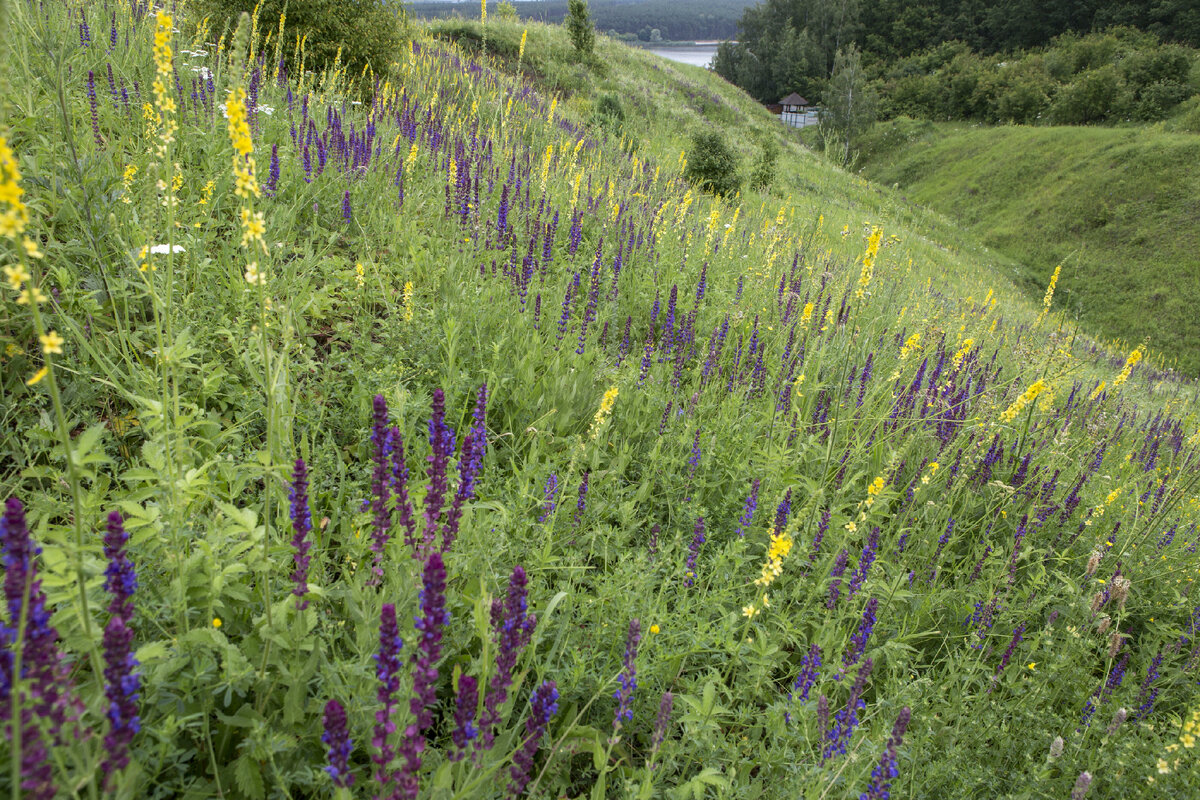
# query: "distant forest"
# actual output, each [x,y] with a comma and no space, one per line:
[789,45]
[675,20]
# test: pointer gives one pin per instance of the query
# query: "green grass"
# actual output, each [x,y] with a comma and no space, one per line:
[870,410]
[1115,206]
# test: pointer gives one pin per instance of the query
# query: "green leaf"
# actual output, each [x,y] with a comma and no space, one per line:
[248,776]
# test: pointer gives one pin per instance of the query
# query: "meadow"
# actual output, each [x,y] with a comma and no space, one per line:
[1114,206]
[429,435]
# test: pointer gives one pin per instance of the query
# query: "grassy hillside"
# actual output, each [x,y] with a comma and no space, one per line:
[1116,207]
[461,449]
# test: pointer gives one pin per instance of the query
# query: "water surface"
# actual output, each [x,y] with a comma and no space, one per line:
[698,55]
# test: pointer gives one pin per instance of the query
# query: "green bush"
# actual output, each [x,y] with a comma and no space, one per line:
[763,174]
[1187,116]
[1090,98]
[579,26]
[368,32]
[712,165]
[609,112]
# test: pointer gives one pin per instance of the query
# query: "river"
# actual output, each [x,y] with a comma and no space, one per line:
[698,55]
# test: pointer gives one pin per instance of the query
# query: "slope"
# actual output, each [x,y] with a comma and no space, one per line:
[1115,206]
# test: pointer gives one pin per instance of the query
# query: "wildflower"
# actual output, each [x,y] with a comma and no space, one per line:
[548,497]
[216,623]
[1030,394]
[810,662]
[1049,294]
[16,274]
[835,585]
[337,738]
[380,486]
[465,701]
[425,656]
[542,706]
[302,527]
[628,677]
[1056,748]
[37,377]
[858,642]
[780,545]
[1127,370]
[408,301]
[603,413]
[654,628]
[694,552]
[121,681]
[749,509]
[512,628]
[387,671]
[886,770]
[1082,784]
[868,267]
[846,720]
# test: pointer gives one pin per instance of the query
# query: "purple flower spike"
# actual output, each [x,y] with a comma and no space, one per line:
[428,650]
[464,716]
[809,665]
[846,720]
[441,442]
[542,706]
[337,739]
[548,497]
[400,487]
[628,677]
[750,508]
[121,682]
[301,527]
[49,678]
[581,504]
[347,213]
[474,447]
[388,671]
[881,777]
[512,627]
[858,642]
[379,486]
[662,720]
[689,577]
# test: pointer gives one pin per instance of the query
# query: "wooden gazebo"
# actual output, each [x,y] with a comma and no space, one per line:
[796,111]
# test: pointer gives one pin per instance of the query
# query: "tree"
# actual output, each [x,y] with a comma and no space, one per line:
[712,165]
[579,26]
[849,105]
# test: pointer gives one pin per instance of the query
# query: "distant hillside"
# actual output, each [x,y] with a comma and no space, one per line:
[674,20]
[1116,206]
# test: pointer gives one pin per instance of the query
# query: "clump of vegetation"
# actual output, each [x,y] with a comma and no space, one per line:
[712,165]
[763,173]
[579,25]
[363,33]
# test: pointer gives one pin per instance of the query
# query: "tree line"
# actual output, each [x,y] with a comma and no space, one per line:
[790,45]
[674,20]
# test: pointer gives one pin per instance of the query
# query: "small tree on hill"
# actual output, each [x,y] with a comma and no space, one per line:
[849,104]
[712,165]
[579,26]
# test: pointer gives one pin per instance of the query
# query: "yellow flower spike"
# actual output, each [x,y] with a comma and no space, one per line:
[1049,294]
[51,343]
[37,376]
[1024,400]
[408,301]
[16,275]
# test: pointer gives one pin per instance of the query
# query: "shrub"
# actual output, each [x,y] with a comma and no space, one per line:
[712,165]
[763,174]
[579,26]
[1090,98]
[507,12]
[369,32]
[609,111]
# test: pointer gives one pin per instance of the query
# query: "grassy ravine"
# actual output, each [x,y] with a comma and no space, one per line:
[819,439]
[1115,206]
